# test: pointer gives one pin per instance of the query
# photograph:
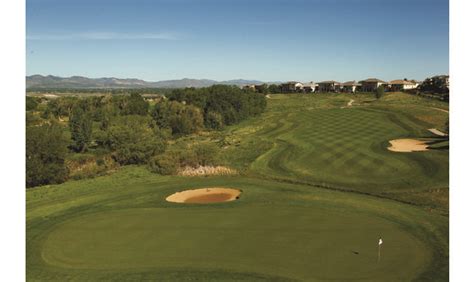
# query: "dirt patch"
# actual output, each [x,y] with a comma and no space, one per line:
[205,195]
[407,145]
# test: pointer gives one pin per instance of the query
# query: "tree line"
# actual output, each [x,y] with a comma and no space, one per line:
[128,128]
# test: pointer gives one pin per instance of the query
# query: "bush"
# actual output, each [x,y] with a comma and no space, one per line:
[214,121]
[133,139]
[82,166]
[379,92]
[202,154]
[205,154]
[31,103]
[46,149]
[180,118]
[231,102]
[80,124]
[164,164]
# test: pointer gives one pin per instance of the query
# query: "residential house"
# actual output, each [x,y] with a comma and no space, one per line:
[350,86]
[291,86]
[403,84]
[371,84]
[249,87]
[262,88]
[329,86]
[310,87]
[436,84]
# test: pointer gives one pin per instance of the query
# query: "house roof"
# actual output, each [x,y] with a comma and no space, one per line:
[329,82]
[372,80]
[351,83]
[401,81]
[310,84]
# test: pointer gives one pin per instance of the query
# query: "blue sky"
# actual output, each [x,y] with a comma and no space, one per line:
[276,40]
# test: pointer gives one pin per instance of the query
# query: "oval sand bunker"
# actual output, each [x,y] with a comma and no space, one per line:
[407,145]
[205,195]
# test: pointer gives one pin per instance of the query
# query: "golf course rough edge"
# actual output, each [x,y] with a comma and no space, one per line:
[205,195]
[407,145]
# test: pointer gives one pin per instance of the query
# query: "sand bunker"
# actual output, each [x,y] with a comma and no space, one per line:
[205,195]
[437,132]
[407,145]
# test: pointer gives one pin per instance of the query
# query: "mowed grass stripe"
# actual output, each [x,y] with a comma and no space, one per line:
[343,146]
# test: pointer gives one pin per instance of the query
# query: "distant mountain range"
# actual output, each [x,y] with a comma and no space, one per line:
[80,82]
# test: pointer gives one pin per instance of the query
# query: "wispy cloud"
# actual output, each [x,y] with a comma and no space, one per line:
[105,36]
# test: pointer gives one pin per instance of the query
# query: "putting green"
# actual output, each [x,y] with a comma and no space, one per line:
[298,243]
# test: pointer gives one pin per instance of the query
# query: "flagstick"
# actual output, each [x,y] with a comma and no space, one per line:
[378,257]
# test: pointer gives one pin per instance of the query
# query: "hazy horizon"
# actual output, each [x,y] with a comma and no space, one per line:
[225,40]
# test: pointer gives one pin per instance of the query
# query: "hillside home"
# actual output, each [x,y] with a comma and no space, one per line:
[291,86]
[261,88]
[402,84]
[350,86]
[371,84]
[330,86]
[249,87]
[442,79]
[310,87]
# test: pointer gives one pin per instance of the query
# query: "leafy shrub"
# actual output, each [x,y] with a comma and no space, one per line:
[201,154]
[231,102]
[31,103]
[214,121]
[80,124]
[379,92]
[205,153]
[164,164]
[180,118]
[82,166]
[46,149]
[133,139]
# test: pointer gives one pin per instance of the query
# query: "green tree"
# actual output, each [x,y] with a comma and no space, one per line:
[164,164]
[379,92]
[180,118]
[80,124]
[214,120]
[133,139]
[60,107]
[273,88]
[31,103]
[46,149]
[133,105]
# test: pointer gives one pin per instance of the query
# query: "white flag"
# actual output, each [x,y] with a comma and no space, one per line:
[380,241]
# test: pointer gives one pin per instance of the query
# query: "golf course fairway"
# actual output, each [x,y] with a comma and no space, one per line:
[318,189]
